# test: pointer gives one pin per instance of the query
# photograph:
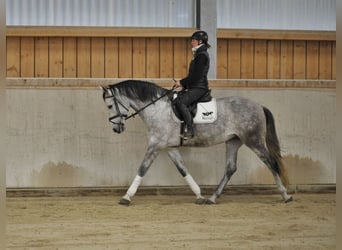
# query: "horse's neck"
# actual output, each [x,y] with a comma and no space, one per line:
[138,106]
[148,111]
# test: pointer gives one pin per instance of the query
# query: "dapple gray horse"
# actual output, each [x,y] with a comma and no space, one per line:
[240,121]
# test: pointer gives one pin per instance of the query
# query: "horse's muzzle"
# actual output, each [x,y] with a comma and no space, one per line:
[119,129]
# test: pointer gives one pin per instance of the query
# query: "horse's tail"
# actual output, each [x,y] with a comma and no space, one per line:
[272,143]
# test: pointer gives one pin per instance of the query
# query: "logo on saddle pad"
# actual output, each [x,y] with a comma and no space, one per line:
[206,112]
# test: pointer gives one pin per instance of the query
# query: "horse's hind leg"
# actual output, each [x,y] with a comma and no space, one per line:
[177,159]
[275,167]
[232,147]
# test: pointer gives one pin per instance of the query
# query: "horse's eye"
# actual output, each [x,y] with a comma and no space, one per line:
[110,106]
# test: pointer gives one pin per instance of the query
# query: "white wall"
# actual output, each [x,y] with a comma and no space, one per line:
[144,13]
[277,14]
[62,137]
[239,14]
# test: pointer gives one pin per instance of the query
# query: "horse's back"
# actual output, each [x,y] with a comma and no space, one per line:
[241,116]
[239,105]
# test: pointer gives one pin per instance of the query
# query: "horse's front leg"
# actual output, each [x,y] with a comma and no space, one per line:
[178,161]
[150,155]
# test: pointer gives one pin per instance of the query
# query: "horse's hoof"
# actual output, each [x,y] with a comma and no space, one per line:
[200,201]
[210,202]
[289,199]
[124,202]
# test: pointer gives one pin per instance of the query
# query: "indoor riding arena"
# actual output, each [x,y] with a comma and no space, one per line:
[67,171]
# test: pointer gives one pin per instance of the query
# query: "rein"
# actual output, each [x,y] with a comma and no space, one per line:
[153,101]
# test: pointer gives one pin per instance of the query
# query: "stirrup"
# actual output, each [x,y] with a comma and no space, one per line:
[188,134]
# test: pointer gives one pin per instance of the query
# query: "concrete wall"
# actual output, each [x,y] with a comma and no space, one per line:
[62,138]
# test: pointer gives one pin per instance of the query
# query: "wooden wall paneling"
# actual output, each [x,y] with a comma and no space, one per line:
[97,31]
[247,59]
[180,57]
[272,34]
[111,57]
[27,57]
[97,57]
[273,59]
[41,57]
[83,57]
[234,59]
[312,59]
[286,62]
[166,58]
[13,57]
[152,58]
[299,59]
[333,61]
[89,55]
[190,55]
[325,60]
[125,57]
[139,57]
[69,57]
[222,58]
[56,57]
[260,59]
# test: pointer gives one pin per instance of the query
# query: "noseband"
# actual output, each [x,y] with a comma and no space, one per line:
[117,102]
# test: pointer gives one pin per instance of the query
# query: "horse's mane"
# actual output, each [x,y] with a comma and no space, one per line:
[142,90]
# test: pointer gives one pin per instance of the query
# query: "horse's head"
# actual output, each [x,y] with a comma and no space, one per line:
[117,106]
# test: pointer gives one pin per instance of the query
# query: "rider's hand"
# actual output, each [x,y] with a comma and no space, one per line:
[178,84]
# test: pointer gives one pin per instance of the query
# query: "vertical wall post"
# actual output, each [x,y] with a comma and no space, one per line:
[3,123]
[207,13]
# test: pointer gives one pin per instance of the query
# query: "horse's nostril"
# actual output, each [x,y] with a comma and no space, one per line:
[116,130]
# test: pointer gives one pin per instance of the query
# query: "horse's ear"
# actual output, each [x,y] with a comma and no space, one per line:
[105,90]
[102,88]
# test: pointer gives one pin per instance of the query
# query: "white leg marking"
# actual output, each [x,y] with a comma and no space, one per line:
[193,185]
[126,197]
[282,189]
[133,188]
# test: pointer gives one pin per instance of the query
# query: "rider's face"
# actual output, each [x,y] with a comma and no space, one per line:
[194,43]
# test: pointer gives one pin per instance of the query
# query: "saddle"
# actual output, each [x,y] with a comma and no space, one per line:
[204,111]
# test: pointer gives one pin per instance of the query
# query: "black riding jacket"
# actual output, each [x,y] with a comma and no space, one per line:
[198,70]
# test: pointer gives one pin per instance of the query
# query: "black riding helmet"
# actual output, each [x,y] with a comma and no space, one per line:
[201,36]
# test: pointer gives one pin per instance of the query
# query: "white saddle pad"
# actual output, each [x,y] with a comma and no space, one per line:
[206,112]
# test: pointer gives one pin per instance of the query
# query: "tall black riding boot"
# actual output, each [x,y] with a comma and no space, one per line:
[189,130]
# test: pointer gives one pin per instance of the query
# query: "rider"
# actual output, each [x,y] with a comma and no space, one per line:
[195,84]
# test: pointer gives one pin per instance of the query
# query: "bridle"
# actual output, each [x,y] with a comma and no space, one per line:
[117,102]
